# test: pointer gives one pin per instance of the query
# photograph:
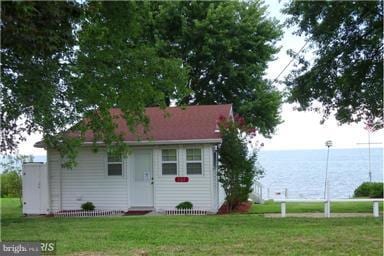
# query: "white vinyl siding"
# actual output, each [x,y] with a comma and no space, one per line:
[85,182]
[88,181]
[198,190]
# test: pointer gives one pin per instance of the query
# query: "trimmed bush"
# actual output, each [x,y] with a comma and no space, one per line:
[88,206]
[370,189]
[184,205]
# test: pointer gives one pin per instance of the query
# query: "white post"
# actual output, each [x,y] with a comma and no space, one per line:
[369,156]
[283,209]
[327,209]
[327,202]
[286,193]
[328,143]
[375,209]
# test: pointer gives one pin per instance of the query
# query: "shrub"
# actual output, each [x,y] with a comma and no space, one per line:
[10,184]
[370,189]
[184,205]
[11,166]
[88,206]
[376,190]
[238,169]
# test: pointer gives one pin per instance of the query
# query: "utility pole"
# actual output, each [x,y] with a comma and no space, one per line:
[370,130]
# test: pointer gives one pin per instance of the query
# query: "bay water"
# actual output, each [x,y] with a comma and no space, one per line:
[302,172]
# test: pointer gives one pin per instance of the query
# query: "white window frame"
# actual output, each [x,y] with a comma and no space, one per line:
[108,163]
[170,162]
[194,161]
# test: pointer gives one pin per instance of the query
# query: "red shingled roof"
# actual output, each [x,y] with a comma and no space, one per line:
[176,123]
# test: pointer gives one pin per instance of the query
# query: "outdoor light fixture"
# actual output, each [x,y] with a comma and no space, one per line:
[328,144]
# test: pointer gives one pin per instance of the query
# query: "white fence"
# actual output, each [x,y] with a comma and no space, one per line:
[186,212]
[327,204]
[77,213]
[257,193]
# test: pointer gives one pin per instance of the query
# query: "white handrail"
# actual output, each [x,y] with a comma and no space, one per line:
[327,204]
[332,200]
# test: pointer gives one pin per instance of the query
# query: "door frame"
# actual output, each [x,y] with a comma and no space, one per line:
[132,177]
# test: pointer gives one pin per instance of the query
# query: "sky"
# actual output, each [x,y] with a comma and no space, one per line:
[299,130]
[302,130]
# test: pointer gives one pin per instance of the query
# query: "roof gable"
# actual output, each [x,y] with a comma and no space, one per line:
[197,122]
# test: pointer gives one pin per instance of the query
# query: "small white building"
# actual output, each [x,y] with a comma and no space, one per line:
[178,164]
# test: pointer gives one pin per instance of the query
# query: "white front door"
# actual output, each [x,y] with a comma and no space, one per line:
[142,179]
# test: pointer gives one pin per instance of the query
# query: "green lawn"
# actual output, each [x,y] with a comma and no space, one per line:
[241,234]
[336,207]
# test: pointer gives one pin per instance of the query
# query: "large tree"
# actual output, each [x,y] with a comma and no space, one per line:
[35,37]
[346,75]
[130,55]
[79,67]
[227,46]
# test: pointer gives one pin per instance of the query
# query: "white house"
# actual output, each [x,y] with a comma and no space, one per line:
[177,164]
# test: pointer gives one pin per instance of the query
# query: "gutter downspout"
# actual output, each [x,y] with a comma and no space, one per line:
[61,186]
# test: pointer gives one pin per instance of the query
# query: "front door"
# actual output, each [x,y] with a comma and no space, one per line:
[142,179]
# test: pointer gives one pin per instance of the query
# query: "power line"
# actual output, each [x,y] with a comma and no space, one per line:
[301,49]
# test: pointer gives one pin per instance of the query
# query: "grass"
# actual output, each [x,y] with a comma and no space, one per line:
[238,234]
[336,207]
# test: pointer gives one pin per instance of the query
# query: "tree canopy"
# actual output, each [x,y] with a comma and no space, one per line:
[227,46]
[36,36]
[63,62]
[346,75]
[83,61]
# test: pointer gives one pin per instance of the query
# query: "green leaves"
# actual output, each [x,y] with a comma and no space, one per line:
[237,169]
[64,62]
[346,75]
[227,46]
[11,181]
[121,69]
[37,37]
[83,61]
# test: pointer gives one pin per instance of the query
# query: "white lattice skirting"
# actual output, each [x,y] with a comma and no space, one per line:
[77,213]
[186,212]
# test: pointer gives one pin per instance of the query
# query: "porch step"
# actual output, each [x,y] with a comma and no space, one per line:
[136,212]
[139,210]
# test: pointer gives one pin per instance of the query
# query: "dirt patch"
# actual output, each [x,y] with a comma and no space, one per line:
[240,208]
[139,252]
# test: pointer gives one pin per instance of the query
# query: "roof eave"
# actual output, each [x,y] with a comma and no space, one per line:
[41,144]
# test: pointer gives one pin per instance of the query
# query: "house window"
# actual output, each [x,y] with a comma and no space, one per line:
[115,165]
[194,163]
[169,161]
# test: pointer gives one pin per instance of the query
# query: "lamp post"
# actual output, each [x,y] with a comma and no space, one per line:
[327,207]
